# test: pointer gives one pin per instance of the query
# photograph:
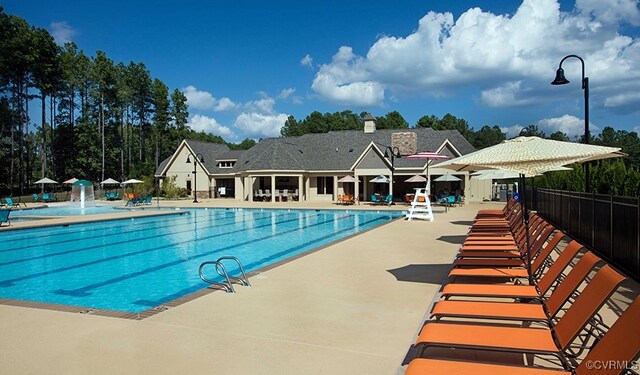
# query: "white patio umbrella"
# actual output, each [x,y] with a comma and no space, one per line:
[132,181]
[109,181]
[530,156]
[430,156]
[43,181]
[501,174]
[497,174]
[447,177]
[46,180]
[70,181]
[380,180]
[347,178]
[416,178]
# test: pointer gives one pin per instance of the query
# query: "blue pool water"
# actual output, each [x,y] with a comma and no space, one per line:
[64,210]
[135,264]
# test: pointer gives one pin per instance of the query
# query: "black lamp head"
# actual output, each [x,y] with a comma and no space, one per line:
[386,153]
[201,159]
[560,79]
[188,160]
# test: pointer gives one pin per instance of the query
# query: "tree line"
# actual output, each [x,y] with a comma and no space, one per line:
[97,118]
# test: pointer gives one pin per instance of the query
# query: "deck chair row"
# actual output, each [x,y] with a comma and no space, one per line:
[546,298]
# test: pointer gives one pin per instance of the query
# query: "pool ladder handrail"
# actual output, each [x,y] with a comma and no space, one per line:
[227,284]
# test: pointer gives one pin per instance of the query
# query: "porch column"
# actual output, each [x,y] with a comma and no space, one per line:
[300,188]
[212,186]
[356,187]
[248,186]
[335,188]
[365,191]
[307,188]
[467,188]
[273,188]
[391,187]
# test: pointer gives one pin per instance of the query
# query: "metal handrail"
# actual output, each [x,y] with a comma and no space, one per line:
[227,286]
[241,279]
[222,271]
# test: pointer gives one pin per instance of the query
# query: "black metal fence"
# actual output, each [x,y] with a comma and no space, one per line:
[607,224]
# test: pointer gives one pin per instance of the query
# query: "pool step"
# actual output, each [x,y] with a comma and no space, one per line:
[226,284]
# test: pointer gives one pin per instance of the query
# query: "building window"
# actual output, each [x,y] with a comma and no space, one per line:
[226,164]
[325,185]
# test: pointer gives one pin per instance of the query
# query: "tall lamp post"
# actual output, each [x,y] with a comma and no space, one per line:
[197,157]
[561,80]
[394,153]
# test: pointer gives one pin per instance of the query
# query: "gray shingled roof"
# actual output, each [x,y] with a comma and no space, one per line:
[231,155]
[337,150]
[368,116]
[162,165]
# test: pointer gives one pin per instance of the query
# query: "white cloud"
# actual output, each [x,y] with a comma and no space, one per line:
[511,58]
[611,11]
[285,93]
[508,95]
[512,131]
[62,32]
[198,99]
[264,105]
[224,104]
[622,99]
[210,125]
[570,125]
[307,60]
[203,100]
[259,125]
[346,81]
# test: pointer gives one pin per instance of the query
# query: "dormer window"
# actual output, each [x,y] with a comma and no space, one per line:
[226,164]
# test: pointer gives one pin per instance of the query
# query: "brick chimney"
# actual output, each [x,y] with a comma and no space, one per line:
[406,142]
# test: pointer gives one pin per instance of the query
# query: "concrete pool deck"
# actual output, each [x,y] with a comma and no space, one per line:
[352,308]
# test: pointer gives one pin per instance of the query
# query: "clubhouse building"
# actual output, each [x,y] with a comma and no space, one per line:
[312,167]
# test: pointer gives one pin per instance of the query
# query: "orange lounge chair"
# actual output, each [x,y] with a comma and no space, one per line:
[507,212]
[516,291]
[510,259]
[620,344]
[536,239]
[543,229]
[505,239]
[527,340]
[514,226]
[521,311]
[498,212]
[536,265]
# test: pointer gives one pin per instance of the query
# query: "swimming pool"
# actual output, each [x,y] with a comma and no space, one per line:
[133,265]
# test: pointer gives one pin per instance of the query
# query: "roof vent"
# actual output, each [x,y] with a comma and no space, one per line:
[369,123]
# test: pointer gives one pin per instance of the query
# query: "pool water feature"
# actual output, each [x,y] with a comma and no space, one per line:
[133,265]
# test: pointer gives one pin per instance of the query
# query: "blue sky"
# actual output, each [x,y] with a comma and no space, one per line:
[246,65]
